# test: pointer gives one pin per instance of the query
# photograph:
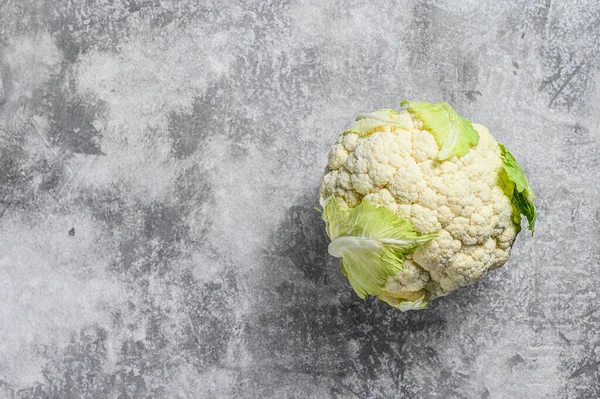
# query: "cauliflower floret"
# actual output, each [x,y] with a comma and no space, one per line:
[383,197]
[349,141]
[408,284]
[459,199]
[337,156]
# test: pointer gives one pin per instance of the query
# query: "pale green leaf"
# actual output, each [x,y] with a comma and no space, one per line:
[371,242]
[334,215]
[522,196]
[383,115]
[419,304]
[368,123]
[454,134]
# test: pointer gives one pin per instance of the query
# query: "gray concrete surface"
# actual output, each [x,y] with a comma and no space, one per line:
[159,164]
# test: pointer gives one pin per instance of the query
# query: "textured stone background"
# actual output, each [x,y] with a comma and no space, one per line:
[159,164]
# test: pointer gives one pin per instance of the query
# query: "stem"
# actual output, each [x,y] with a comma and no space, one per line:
[341,244]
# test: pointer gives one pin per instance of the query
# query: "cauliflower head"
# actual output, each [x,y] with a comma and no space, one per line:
[420,203]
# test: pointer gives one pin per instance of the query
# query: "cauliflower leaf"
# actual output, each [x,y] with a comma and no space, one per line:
[334,215]
[454,134]
[419,304]
[405,300]
[371,242]
[522,194]
[366,124]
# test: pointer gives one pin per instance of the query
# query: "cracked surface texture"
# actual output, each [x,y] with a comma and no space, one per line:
[160,163]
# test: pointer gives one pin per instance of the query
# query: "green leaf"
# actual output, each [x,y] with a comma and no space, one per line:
[405,300]
[419,304]
[334,215]
[366,124]
[454,134]
[522,194]
[383,115]
[371,242]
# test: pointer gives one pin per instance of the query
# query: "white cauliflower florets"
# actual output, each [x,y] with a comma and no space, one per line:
[459,199]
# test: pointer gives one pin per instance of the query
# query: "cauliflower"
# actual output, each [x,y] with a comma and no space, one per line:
[420,203]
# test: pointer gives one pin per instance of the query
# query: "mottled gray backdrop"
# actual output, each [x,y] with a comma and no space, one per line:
[159,165]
